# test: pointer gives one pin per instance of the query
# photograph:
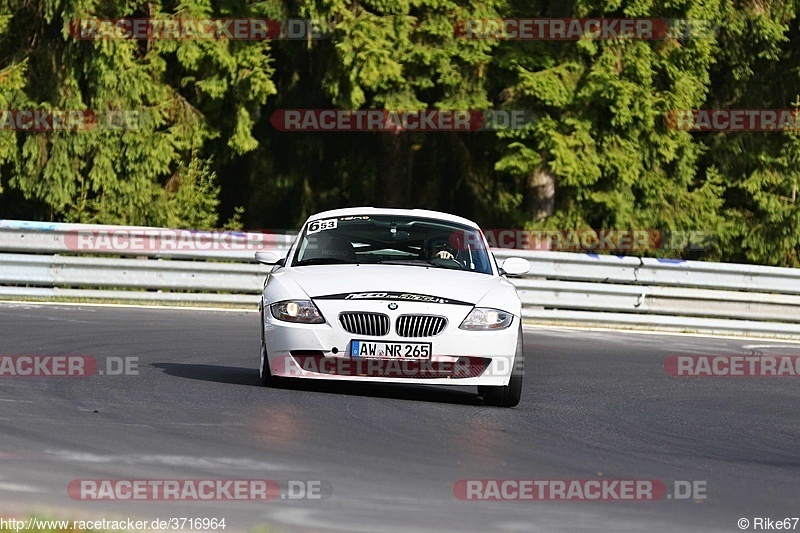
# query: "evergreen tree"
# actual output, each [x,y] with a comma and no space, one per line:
[185,98]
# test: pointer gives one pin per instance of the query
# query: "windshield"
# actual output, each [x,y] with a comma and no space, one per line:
[389,239]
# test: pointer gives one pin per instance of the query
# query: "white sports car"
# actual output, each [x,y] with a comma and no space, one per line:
[395,296]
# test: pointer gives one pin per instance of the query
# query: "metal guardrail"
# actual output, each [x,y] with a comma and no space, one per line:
[52,260]
[45,260]
[631,291]
[136,241]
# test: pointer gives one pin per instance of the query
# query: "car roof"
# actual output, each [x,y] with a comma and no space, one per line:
[373,211]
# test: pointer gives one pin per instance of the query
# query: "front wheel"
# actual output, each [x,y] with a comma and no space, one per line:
[264,373]
[508,395]
[267,379]
[263,369]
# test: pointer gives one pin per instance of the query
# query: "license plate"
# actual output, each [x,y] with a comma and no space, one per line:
[390,350]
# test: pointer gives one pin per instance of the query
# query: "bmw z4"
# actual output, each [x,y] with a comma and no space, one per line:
[394,296]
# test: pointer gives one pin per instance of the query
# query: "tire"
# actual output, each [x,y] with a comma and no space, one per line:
[508,395]
[263,369]
[264,374]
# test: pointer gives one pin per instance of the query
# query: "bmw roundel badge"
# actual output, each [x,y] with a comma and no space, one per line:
[392,306]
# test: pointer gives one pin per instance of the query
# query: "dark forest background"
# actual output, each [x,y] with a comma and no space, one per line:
[599,156]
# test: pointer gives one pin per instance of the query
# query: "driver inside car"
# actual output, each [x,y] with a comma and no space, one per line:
[440,249]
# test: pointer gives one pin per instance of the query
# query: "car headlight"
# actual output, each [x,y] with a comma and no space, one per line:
[483,318]
[302,311]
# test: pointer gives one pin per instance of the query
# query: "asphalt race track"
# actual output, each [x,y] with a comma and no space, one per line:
[596,405]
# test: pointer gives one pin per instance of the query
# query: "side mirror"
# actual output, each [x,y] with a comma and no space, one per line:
[267,258]
[516,266]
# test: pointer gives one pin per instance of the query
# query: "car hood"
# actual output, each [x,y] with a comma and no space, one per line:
[397,281]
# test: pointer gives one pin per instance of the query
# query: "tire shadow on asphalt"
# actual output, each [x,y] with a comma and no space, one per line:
[233,375]
[394,391]
[249,377]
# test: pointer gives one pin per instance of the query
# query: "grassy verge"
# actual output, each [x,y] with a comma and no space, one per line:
[122,301]
[659,329]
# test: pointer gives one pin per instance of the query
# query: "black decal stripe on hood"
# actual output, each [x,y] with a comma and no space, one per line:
[390,295]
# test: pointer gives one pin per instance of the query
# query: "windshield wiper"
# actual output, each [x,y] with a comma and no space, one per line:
[414,262]
[324,261]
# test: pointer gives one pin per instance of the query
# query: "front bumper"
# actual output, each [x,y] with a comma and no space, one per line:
[322,351]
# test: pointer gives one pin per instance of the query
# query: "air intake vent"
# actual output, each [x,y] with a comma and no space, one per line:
[420,325]
[371,324]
